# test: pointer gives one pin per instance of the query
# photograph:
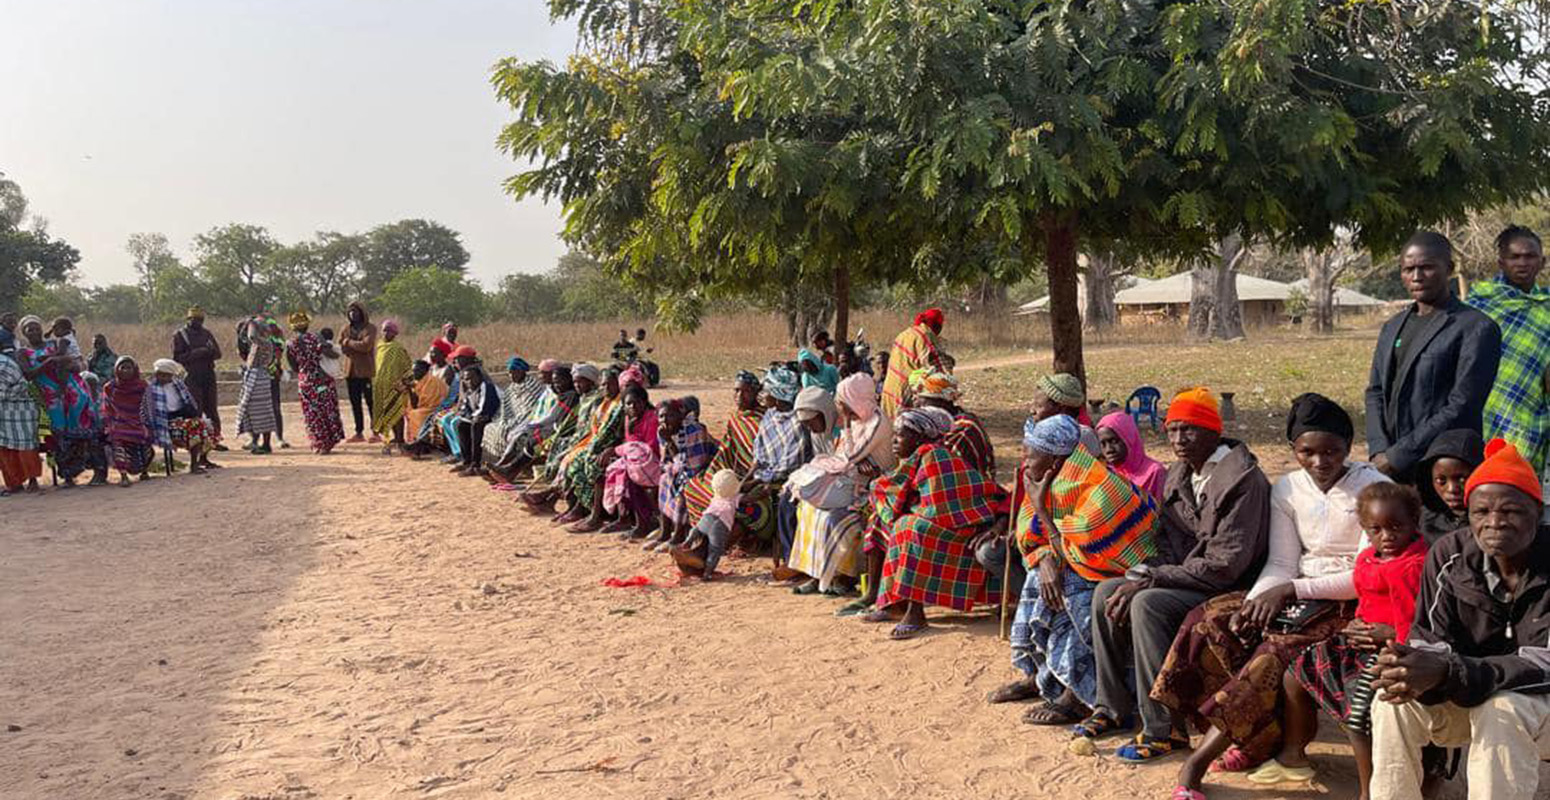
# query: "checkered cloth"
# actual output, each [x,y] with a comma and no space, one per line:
[734,453]
[161,397]
[971,442]
[1517,409]
[780,447]
[18,409]
[694,450]
[930,509]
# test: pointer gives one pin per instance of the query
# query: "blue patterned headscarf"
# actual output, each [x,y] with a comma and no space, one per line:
[1056,435]
[782,384]
[516,363]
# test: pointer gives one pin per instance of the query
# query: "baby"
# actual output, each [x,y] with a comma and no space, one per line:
[331,358]
[714,530]
[62,341]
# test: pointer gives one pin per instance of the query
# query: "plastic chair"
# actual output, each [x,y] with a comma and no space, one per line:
[1143,403]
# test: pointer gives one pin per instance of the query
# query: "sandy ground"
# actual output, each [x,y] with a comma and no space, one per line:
[360,626]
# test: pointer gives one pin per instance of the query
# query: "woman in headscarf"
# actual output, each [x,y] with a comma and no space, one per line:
[444,422]
[62,396]
[780,446]
[1078,523]
[687,449]
[546,490]
[1121,447]
[176,421]
[446,342]
[319,394]
[928,511]
[632,470]
[933,388]
[255,406]
[389,398]
[426,391]
[733,452]
[20,464]
[518,401]
[127,407]
[816,371]
[827,547]
[914,348]
[1225,666]
[553,415]
[582,470]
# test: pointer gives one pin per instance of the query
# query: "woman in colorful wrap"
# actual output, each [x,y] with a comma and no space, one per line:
[780,446]
[319,394]
[176,421]
[733,452]
[1225,666]
[20,464]
[519,400]
[1121,447]
[553,416]
[127,407]
[579,472]
[1077,523]
[928,511]
[828,540]
[445,421]
[62,396]
[933,388]
[914,348]
[389,398]
[542,495]
[816,414]
[687,449]
[426,391]
[255,406]
[632,470]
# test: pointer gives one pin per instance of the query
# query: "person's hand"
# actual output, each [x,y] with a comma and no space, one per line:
[1381,461]
[1369,636]
[1118,606]
[1256,613]
[756,492]
[1405,673]
[1050,584]
[867,469]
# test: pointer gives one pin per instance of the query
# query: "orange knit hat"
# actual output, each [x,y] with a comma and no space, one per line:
[1503,464]
[1196,407]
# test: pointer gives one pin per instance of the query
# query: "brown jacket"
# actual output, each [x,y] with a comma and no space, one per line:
[359,345]
[1217,543]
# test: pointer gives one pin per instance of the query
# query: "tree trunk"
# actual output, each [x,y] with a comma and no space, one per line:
[1100,313]
[841,332]
[1227,321]
[1202,301]
[1321,290]
[1065,320]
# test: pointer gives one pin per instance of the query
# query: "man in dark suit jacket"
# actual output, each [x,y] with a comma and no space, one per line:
[1434,365]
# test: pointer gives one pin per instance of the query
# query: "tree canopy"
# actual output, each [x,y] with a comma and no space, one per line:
[27,252]
[713,146]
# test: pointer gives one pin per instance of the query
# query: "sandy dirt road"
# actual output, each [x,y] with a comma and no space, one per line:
[359,626]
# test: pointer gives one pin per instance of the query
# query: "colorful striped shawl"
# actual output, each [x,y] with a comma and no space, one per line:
[971,442]
[939,485]
[913,348]
[1106,525]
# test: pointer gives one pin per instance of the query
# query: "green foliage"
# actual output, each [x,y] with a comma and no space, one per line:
[49,300]
[319,275]
[232,262]
[387,251]
[432,295]
[27,255]
[118,303]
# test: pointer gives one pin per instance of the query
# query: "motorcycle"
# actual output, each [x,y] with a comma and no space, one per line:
[624,358]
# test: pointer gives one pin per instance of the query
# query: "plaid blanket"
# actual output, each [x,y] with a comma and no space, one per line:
[734,453]
[779,447]
[161,400]
[1516,409]
[935,504]
[1105,524]
[971,442]
[18,409]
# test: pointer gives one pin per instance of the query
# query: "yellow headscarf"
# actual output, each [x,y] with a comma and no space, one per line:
[300,320]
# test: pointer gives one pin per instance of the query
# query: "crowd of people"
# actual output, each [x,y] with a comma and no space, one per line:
[1407,596]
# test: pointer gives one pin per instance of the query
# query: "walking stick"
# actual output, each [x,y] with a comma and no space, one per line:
[1006,574]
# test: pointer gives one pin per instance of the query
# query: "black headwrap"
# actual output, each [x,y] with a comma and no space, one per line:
[744,376]
[1315,412]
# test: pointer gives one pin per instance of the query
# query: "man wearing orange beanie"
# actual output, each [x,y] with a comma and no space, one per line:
[1476,669]
[1216,521]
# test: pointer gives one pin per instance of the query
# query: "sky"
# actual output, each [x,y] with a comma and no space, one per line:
[175,116]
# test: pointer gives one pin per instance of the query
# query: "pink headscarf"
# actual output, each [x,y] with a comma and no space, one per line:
[1138,468]
[634,374]
[859,394]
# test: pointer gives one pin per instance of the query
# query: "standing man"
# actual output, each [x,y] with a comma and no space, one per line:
[1434,365]
[197,350]
[359,342]
[1517,410]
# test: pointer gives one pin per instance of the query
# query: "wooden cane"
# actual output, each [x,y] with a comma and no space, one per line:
[1006,579]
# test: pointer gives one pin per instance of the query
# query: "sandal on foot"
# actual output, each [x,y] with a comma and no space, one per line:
[841,591]
[1098,725]
[1053,714]
[853,608]
[1146,749]
[1273,772]
[906,630]
[1014,692]
[879,615]
[1186,793]
[1234,760]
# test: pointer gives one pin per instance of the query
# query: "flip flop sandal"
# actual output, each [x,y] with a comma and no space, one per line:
[906,630]
[1053,714]
[1273,772]
[1015,692]
[852,609]
[1144,749]
[1234,760]
[1098,725]
[1186,793]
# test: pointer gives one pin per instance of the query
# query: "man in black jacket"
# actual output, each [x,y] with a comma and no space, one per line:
[1434,365]
[1475,669]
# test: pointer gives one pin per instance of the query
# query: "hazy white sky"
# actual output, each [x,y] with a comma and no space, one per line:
[125,116]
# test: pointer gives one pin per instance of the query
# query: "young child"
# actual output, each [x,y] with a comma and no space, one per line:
[1334,674]
[62,340]
[1440,476]
[713,533]
[332,359]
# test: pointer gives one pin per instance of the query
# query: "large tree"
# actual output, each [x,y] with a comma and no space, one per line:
[232,262]
[893,137]
[392,249]
[320,274]
[27,252]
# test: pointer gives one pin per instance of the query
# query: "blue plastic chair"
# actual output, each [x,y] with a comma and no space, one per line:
[1143,403]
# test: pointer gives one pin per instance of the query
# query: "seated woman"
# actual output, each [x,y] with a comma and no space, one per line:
[827,546]
[426,391]
[175,421]
[932,388]
[552,418]
[816,413]
[781,445]
[1440,477]
[518,401]
[733,452]
[687,449]
[599,403]
[1225,666]
[1078,523]
[927,511]
[1336,674]
[127,409]
[580,474]
[625,470]
[477,407]
[1121,447]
